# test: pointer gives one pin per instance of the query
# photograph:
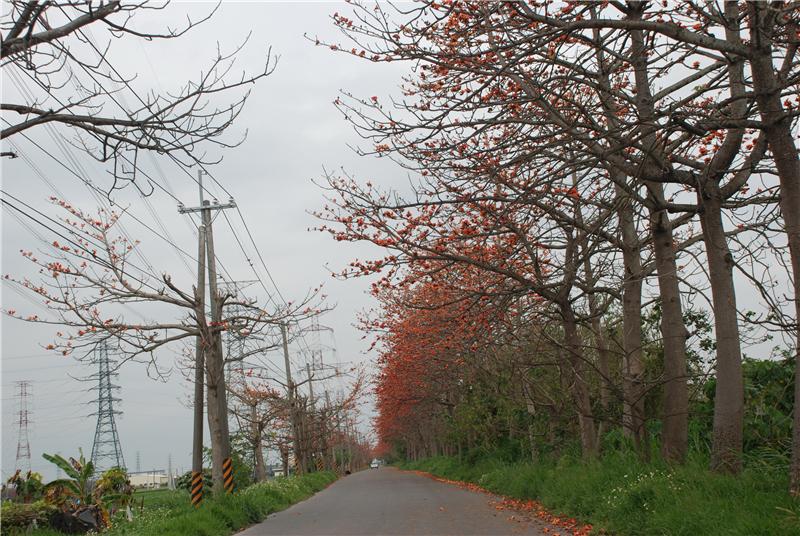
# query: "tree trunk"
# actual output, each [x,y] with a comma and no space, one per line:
[601,346]
[285,459]
[633,411]
[579,387]
[675,430]
[726,453]
[299,436]
[633,408]
[675,422]
[259,468]
[217,412]
[531,407]
[784,151]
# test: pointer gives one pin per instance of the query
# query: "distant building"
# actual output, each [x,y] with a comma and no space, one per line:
[275,471]
[149,479]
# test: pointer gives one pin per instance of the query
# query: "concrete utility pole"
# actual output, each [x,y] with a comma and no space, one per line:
[298,454]
[214,364]
[170,475]
[308,418]
[329,433]
[310,386]
[199,374]
[349,435]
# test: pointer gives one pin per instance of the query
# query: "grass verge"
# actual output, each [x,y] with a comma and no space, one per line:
[170,514]
[627,497]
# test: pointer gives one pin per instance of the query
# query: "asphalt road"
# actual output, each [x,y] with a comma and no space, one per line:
[387,501]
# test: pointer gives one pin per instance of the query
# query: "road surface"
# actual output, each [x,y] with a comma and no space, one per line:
[387,501]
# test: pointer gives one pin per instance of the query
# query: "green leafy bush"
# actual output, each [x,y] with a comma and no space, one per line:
[18,517]
[626,496]
[83,504]
[220,516]
[28,486]
[114,489]
[185,480]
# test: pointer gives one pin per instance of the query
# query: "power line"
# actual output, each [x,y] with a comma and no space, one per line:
[99,195]
[180,165]
[93,257]
[121,78]
[97,190]
[23,87]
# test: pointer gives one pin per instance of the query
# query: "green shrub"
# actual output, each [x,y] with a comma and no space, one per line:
[28,486]
[172,514]
[17,517]
[626,496]
[185,480]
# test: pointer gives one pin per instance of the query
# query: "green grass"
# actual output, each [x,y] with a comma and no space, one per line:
[628,497]
[168,513]
[159,497]
[173,515]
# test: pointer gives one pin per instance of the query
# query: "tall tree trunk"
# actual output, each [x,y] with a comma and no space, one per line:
[726,454]
[531,408]
[675,407]
[778,132]
[579,387]
[284,449]
[217,412]
[260,468]
[299,434]
[633,411]
[601,345]
[675,429]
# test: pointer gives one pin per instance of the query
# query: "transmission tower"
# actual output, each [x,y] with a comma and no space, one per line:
[106,452]
[23,461]
[235,344]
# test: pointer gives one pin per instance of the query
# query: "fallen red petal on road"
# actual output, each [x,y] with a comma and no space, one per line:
[535,508]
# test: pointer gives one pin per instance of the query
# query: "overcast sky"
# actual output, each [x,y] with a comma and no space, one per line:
[293,131]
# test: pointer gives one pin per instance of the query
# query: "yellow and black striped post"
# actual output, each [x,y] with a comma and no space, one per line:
[227,475]
[196,489]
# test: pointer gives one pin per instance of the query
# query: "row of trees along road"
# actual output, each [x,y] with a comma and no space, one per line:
[319,434]
[89,277]
[588,174]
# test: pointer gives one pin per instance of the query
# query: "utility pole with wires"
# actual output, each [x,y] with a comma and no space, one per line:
[23,461]
[299,454]
[106,451]
[310,431]
[170,474]
[205,259]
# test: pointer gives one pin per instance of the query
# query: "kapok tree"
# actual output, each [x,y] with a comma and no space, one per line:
[256,406]
[469,116]
[483,67]
[436,340]
[88,280]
